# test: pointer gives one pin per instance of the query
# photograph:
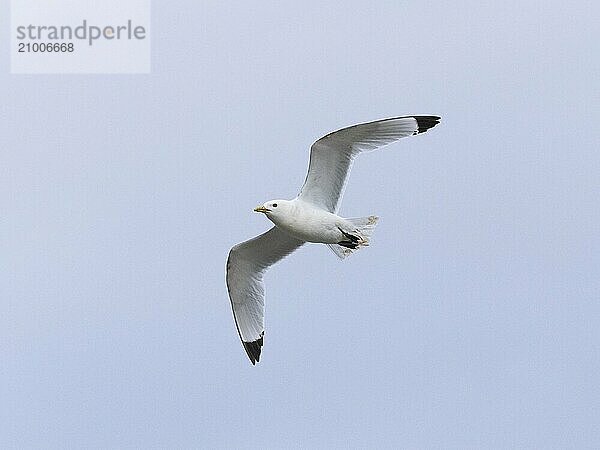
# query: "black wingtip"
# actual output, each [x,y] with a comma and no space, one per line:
[253,349]
[426,122]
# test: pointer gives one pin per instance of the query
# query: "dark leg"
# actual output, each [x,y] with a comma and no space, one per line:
[349,236]
[348,244]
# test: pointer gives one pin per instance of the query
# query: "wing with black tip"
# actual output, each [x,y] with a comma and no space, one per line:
[246,265]
[331,156]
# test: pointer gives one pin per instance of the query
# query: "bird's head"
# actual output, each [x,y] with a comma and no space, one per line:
[273,208]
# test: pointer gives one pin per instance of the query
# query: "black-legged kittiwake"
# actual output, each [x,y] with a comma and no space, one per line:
[310,217]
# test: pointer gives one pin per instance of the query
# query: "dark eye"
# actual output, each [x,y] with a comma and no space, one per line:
[274,205]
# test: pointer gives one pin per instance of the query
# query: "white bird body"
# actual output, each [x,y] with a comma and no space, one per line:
[310,217]
[307,222]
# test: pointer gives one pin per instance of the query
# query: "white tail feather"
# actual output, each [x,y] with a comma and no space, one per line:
[364,228]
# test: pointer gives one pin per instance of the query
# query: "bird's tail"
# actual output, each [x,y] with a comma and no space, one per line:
[358,238]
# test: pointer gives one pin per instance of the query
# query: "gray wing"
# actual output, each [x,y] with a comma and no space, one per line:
[246,264]
[331,156]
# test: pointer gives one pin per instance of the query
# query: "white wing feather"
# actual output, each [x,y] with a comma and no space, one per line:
[331,156]
[246,265]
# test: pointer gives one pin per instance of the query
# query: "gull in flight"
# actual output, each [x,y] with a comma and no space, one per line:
[310,217]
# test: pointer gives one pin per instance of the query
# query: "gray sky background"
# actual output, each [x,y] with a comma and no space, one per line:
[471,322]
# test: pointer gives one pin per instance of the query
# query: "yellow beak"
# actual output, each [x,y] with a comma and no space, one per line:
[261,209]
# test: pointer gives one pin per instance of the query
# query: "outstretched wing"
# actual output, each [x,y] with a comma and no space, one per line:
[331,156]
[246,265]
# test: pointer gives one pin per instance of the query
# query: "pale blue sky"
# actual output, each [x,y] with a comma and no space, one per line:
[471,322]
